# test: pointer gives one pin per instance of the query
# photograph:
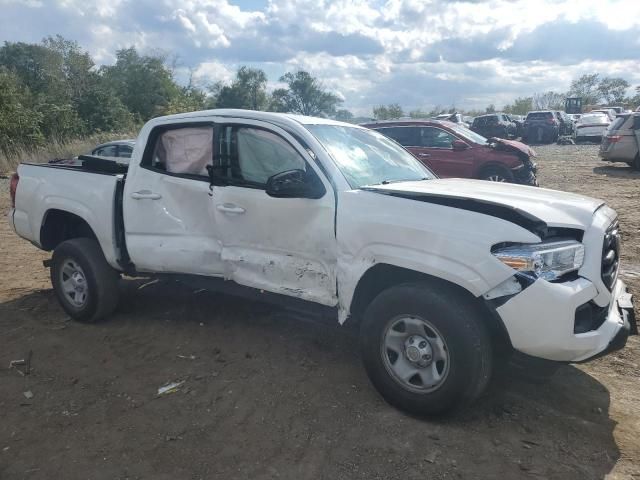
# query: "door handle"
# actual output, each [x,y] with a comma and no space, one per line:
[145,195]
[230,208]
[424,154]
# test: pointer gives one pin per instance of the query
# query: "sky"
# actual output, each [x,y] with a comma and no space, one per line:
[418,53]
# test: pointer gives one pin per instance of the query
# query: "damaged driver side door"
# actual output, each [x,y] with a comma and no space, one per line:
[281,244]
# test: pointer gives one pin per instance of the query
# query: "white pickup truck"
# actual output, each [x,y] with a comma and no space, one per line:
[438,274]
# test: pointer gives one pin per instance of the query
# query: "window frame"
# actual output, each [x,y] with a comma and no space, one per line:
[382,129]
[121,147]
[233,182]
[152,138]
[454,137]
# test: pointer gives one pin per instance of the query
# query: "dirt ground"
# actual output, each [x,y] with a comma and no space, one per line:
[267,394]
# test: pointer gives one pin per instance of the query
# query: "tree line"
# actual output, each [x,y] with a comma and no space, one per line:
[53,90]
[594,89]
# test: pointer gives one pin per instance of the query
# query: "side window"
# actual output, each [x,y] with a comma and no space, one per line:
[185,150]
[252,155]
[492,120]
[124,151]
[435,138]
[405,136]
[108,151]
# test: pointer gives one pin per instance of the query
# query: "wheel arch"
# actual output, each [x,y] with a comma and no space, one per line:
[494,164]
[60,225]
[383,276]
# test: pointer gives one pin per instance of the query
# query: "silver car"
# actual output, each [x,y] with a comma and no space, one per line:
[118,150]
[621,140]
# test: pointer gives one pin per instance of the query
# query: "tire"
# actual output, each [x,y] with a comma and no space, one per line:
[636,162]
[496,174]
[461,348]
[85,284]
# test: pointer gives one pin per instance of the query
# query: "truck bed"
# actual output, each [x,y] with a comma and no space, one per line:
[86,191]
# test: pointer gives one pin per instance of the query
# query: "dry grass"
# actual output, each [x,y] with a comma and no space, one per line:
[56,150]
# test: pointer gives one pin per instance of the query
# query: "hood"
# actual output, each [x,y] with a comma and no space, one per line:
[513,145]
[531,207]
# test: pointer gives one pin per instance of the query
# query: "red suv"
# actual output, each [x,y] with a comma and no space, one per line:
[451,150]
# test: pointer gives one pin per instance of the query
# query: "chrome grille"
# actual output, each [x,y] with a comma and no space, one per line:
[611,255]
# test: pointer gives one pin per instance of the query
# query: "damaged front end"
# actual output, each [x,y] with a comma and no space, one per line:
[526,175]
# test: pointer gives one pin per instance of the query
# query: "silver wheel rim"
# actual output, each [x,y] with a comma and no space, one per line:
[415,354]
[74,283]
[496,178]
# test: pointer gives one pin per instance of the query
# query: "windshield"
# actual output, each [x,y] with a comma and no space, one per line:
[469,134]
[366,157]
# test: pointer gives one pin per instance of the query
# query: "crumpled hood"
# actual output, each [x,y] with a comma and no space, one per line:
[503,144]
[555,208]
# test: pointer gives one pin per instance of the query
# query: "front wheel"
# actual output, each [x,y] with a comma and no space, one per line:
[497,174]
[425,350]
[85,284]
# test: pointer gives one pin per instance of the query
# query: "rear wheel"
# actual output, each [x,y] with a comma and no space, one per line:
[496,174]
[426,351]
[85,284]
[636,162]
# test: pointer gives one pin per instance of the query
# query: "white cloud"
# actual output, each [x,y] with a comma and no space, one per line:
[415,52]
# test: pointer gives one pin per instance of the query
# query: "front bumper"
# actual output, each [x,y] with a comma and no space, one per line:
[526,175]
[540,321]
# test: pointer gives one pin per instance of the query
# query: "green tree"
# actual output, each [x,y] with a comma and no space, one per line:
[39,68]
[548,100]
[44,71]
[305,95]
[190,99]
[613,90]
[387,112]
[586,87]
[143,83]
[490,109]
[102,110]
[75,65]
[520,106]
[19,122]
[248,90]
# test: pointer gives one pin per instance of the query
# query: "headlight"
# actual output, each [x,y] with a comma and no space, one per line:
[547,260]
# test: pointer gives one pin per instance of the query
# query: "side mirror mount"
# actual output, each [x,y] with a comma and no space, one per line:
[459,146]
[294,184]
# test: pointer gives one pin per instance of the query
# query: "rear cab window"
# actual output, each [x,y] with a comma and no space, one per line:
[539,115]
[180,150]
